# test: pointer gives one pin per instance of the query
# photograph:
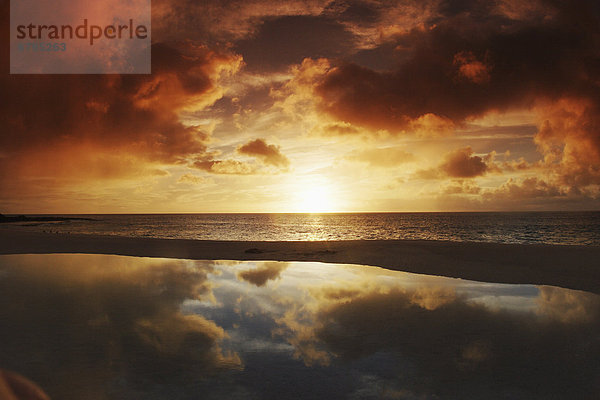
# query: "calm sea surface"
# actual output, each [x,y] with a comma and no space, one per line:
[118,328]
[525,227]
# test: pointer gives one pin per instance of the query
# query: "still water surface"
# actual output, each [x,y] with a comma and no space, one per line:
[112,327]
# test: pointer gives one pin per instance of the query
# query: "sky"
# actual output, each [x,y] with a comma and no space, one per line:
[319,106]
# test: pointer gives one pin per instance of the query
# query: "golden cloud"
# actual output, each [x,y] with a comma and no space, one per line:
[268,153]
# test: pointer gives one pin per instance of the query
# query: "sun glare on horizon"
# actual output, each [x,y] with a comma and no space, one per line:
[317,199]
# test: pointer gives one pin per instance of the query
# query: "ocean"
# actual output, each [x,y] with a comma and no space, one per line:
[582,228]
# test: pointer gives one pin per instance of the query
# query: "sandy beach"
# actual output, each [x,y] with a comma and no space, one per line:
[573,267]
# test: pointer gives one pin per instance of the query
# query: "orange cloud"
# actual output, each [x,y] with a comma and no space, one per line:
[569,139]
[471,68]
[226,167]
[442,66]
[337,128]
[468,61]
[107,126]
[268,153]
[460,163]
[191,179]
[525,189]
[461,187]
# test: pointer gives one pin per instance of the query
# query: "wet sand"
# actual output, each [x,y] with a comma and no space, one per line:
[573,267]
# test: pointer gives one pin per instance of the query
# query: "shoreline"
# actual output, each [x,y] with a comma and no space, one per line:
[567,266]
[11,219]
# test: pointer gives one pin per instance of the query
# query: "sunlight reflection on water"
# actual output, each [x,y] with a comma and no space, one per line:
[524,227]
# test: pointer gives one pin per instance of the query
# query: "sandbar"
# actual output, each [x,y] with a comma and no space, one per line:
[568,266]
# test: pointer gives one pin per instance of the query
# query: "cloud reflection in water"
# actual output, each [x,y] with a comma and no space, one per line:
[110,327]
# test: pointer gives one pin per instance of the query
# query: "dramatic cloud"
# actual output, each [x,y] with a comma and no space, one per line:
[273,35]
[268,153]
[109,126]
[218,20]
[285,41]
[460,163]
[480,57]
[242,88]
[374,23]
[569,139]
[470,68]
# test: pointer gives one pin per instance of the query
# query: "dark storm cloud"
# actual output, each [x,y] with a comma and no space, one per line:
[103,126]
[273,35]
[522,59]
[78,127]
[455,75]
[288,40]
[136,111]
[223,20]
[474,57]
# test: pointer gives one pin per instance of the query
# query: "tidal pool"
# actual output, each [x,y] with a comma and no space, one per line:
[113,327]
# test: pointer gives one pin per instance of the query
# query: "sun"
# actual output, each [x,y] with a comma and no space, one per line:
[315,200]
